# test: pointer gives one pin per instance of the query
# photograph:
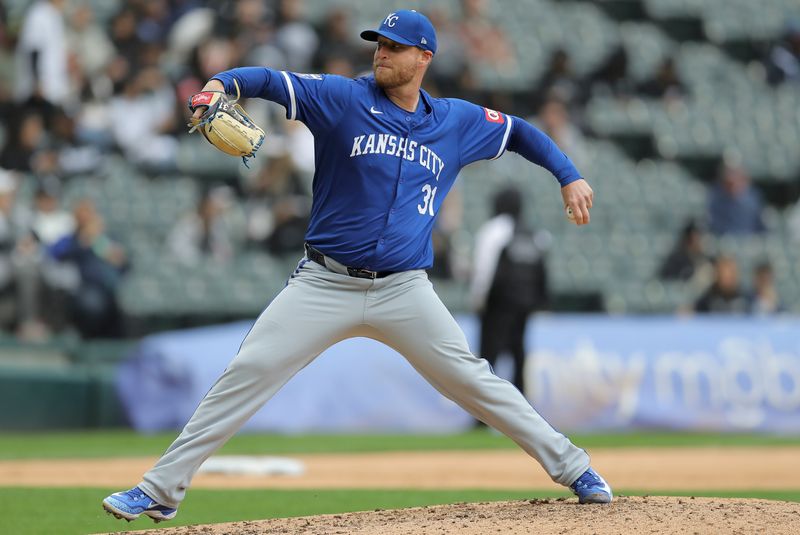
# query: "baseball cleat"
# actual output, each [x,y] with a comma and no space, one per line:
[129,504]
[591,488]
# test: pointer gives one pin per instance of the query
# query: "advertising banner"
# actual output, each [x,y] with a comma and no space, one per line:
[584,373]
[704,373]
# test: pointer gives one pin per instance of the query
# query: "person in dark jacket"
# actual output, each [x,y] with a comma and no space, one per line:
[101,263]
[509,281]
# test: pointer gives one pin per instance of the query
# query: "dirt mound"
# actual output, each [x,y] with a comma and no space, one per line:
[652,514]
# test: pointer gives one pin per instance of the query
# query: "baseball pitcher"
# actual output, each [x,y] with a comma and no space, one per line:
[387,153]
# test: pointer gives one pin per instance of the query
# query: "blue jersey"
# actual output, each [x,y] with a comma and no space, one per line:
[381,172]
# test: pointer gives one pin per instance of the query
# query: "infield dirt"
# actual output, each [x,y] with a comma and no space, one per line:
[654,469]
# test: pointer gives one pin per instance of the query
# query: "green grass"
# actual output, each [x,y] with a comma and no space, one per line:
[73,511]
[125,443]
[77,510]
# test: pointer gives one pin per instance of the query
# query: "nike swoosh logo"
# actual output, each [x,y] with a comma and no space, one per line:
[373,110]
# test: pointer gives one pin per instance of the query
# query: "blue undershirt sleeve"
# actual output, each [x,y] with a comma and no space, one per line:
[317,100]
[537,147]
[255,82]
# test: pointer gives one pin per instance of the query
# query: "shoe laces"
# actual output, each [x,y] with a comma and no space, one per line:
[588,479]
[136,494]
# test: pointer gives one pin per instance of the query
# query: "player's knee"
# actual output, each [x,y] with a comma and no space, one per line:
[267,364]
[254,366]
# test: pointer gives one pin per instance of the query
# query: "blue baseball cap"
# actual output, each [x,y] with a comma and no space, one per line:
[407,27]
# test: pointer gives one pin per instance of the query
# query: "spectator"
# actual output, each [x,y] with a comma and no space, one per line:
[250,27]
[337,34]
[70,155]
[49,222]
[509,281]
[665,84]
[6,62]
[688,260]
[734,205]
[89,42]
[209,57]
[554,120]
[153,21]
[449,75]
[447,263]
[559,80]
[144,118]
[44,285]
[26,137]
[204,233]
[764,299]
[9,309]
[290,220]
[282,191]
[295,36]
[191,28]
[338,65]
[4,38]
[101,262]
[42,54]
[300,149]
[724,296]
[783,60]
[485,41]
[611,78]
[126,42]
[793,221]
[279,202]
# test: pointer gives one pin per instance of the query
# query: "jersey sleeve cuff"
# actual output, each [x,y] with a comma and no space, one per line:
[227,82]
[569,180]
[506,135]
[291,109]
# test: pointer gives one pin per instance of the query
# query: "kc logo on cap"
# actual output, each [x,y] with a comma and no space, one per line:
[406,27]
[390,20]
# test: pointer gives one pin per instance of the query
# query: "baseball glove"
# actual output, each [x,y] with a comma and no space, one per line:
[225,124]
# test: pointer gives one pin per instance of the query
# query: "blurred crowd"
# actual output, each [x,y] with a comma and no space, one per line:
[77,88]
[717,279]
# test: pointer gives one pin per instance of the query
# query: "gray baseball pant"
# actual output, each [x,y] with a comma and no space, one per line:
[320,307]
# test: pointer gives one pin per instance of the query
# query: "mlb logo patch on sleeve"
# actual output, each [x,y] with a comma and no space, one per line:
[494,116]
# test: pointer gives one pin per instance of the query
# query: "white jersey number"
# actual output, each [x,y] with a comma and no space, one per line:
[427,201]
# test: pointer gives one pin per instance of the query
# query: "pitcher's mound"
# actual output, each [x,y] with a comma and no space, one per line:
[630,514]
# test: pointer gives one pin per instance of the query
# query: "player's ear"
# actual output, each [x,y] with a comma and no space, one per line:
[425,58]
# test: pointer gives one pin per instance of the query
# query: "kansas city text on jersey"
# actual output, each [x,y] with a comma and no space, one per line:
[401,147]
